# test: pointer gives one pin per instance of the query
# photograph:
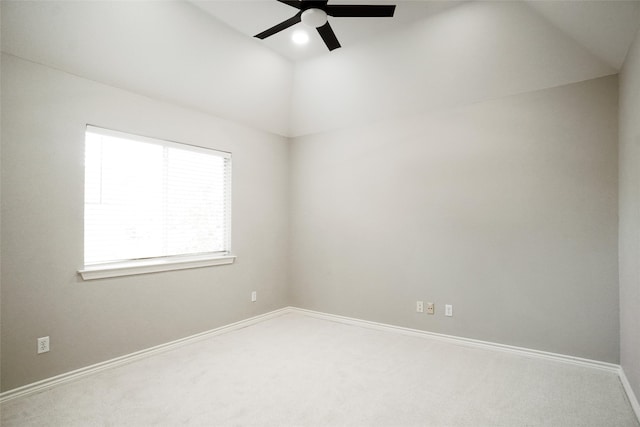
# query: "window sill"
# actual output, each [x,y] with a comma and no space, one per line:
[129,268]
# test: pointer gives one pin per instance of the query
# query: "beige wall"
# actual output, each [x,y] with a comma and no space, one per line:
[506,209]
[630,216]
[44,113]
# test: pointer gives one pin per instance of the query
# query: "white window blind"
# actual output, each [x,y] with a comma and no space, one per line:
[146,198]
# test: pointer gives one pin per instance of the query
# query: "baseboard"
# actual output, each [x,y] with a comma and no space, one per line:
[633,400]
[563,358]
[109,364]
[610,367]
[122,360]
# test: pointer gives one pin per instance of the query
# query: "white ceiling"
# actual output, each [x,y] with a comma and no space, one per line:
[251,17]
[167,50]
[466,54]
[431,55]
[604,27]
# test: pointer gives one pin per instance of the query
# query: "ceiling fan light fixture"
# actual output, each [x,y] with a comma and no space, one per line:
[300,37]
[314,17]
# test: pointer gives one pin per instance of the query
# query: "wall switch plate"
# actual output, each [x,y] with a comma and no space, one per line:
[419,306]
[448,310]
[254,296]
[43,345]
[430,308]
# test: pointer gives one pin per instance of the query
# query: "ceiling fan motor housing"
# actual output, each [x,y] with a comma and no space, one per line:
[314,17]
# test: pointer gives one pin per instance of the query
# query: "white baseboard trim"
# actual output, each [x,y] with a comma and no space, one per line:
[128,358]
[610,367]
[633,400]
[122,360]
[563,358]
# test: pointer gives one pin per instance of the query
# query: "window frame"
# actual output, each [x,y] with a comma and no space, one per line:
[119,268]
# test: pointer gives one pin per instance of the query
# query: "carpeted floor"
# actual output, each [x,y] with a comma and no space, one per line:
[296,370]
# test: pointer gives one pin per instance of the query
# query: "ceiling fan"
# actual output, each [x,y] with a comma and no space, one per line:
[313,13]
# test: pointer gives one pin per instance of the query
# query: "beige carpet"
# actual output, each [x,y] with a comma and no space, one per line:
[296,370]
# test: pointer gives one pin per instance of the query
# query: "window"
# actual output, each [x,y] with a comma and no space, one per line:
[153,205]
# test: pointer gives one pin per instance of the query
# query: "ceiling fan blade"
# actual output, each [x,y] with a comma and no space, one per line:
[314,4]
[360,11]
[329,37]
[281,26]
[294,3]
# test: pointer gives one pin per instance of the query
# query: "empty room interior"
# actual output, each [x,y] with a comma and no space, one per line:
[353,213]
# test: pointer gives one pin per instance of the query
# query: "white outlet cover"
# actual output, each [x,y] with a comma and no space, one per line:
[448,310]
[43,345]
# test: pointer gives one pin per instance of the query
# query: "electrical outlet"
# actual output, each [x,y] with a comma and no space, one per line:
[254,296]
[448,310]
[419,306]
[430,308]
[43,345]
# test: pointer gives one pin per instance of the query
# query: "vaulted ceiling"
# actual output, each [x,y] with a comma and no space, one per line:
[603,27]
[201,54]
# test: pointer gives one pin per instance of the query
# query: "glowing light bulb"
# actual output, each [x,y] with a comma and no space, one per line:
[300,37]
